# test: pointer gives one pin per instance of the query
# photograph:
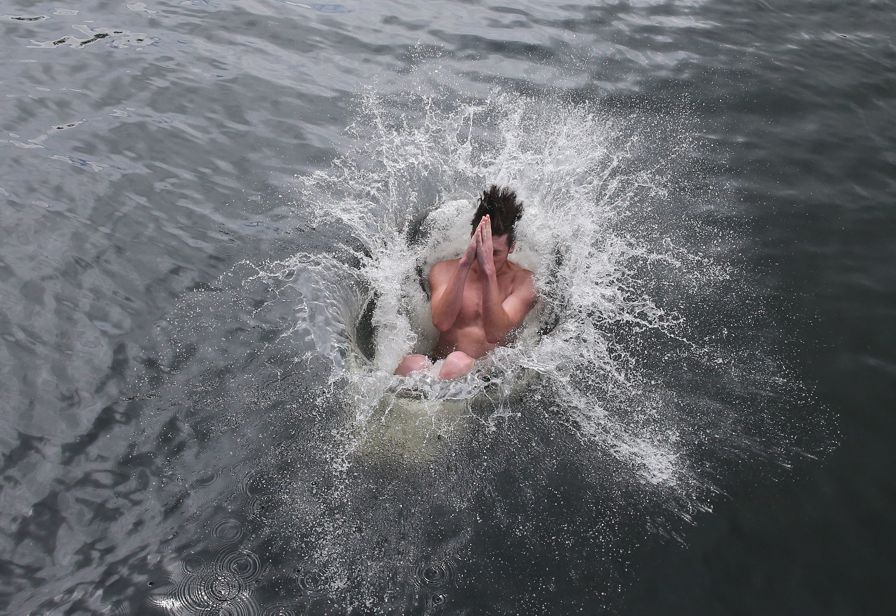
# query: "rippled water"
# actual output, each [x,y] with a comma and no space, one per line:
[215,218]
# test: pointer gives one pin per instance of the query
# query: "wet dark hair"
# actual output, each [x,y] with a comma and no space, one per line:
[504,209]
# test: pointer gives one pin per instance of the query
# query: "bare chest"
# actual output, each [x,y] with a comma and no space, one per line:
[474,295]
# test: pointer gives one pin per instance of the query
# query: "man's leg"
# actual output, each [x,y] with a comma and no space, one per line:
[412,363]
[456,364]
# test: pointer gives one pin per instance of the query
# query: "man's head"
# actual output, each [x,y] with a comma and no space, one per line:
[503,209]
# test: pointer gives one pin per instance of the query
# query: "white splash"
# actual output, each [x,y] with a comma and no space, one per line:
[402,199]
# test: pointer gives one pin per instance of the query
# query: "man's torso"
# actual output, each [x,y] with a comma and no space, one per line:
[468,332]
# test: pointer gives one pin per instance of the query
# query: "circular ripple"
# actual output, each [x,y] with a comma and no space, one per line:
[254,484]
[206,479]
[243,564]
[228,530]
[279,610]
[311,581]
[257,507]
[436,575]
[438,599]
[224,587]
[120,609]
[214,593]
[192,563]
[242,606]
[194,595]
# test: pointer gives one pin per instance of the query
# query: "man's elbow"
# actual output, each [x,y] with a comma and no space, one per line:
[442,324]
[496,333]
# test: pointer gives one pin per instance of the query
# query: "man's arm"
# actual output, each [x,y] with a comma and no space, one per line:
[502,317]
[446,280]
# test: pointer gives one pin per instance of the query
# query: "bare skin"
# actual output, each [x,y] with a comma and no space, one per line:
[476,301]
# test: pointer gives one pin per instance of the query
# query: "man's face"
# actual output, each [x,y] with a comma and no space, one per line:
[500,250]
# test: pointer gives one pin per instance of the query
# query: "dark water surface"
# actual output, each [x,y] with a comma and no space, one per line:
[158,433]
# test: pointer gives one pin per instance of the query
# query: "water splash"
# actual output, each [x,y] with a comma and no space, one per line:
[595,188]
[644,371]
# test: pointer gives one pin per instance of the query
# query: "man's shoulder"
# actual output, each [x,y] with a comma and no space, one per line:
[522,279]
[444,264]
[521,273]
[443,267]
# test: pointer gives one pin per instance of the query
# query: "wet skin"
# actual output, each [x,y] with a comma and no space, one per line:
[476,301]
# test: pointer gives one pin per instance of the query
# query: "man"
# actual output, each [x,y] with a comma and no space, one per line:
[481,297]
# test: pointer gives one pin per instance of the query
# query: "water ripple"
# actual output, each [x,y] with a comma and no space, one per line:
[311,581]
[436,575]
[243,564]
[192,563]
[229,530]
[279,610]
[212,592]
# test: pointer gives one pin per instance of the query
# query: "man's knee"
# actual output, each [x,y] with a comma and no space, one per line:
[412,363]
[456,364]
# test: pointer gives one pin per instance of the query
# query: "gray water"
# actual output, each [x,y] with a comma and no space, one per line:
[214,220]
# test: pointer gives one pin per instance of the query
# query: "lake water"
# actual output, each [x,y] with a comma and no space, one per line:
[216,220]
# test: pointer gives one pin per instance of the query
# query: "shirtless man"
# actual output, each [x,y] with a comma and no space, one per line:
[482,296]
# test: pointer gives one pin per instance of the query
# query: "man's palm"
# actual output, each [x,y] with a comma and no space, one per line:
[484,245]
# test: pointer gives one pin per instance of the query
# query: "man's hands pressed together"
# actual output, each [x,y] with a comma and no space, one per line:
[469,256]
[480,247]
[484,246]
